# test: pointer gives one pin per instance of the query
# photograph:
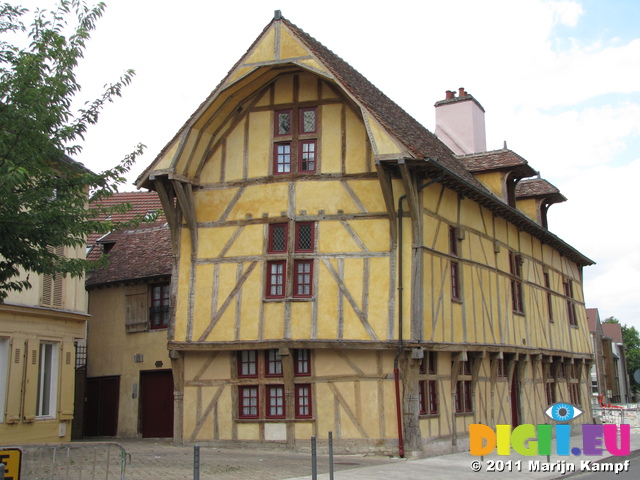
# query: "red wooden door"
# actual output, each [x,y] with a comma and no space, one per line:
[156,410]
[101,407]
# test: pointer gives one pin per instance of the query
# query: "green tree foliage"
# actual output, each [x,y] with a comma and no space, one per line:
[46,199]
[631,340]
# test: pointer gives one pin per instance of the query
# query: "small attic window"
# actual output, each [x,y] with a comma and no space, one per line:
[107,247]
[151,215]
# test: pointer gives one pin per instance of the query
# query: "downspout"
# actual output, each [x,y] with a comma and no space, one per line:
[396,372]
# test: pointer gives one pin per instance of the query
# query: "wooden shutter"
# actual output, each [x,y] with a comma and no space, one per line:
[52,285]
[30,400]
[14,386]
[67,380]
[137,315]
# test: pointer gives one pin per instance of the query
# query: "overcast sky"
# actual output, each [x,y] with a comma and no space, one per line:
[559,80]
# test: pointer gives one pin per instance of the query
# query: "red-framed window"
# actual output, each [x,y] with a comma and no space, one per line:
[428,397]
[248,401]
[305,237]
[282,158]
[453,241]
[276,274]
[273,362]
[308,120]
[307,155]
[515,262]
[283,123]
[429,362]
[464,403]
[303,275]
[571,306]
[547,285]
[302,362]
[248,363]
[275,401]
[455,281]
[432,396]
[278,235]
[159,309]
[303,400]
[295,141]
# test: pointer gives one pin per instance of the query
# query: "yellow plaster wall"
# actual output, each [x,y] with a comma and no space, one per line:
[494,181]
[260,148]
[111,349]
[264,49]
[289,46]
[330,143]
[25,328]
[529,207]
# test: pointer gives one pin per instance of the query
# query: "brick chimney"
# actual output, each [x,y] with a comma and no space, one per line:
[460,123]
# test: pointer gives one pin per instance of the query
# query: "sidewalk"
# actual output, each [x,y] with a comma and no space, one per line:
[158,459]
[458,465]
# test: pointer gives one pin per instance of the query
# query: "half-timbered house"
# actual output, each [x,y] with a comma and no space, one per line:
[339,268]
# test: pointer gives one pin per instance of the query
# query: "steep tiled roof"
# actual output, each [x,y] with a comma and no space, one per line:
[421,142]
[136,254]
[494,160]
[141,203]
[430,153]
[592,319]
[538,187]
[613,331]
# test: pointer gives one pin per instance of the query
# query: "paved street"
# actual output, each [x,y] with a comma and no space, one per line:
[159,459]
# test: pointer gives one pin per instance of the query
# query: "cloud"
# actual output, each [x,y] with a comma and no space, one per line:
[566,12]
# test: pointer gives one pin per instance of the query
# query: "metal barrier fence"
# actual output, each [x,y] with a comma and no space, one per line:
[71,461]
[618,416]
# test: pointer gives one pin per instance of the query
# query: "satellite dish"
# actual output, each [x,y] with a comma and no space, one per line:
[636,376]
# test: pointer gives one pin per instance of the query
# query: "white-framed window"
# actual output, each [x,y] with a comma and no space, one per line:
[4,374]
[48,380]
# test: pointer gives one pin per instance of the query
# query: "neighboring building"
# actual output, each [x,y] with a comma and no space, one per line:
[609,376]
[129,385]
[330,250]
[39,328]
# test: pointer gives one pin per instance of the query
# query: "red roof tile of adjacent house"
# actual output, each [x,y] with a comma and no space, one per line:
[592,319]
[136,254]
[613,331]
[141,202]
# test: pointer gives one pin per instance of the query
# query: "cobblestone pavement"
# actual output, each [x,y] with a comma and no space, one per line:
[158,459]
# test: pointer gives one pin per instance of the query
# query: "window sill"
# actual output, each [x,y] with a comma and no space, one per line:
[464,414]
[289,299]
[275,420]
[429,415]
[457,300]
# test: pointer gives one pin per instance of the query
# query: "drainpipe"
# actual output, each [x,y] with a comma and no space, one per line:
[396,372]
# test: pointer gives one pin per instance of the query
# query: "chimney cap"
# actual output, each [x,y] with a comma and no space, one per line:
[463,96]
